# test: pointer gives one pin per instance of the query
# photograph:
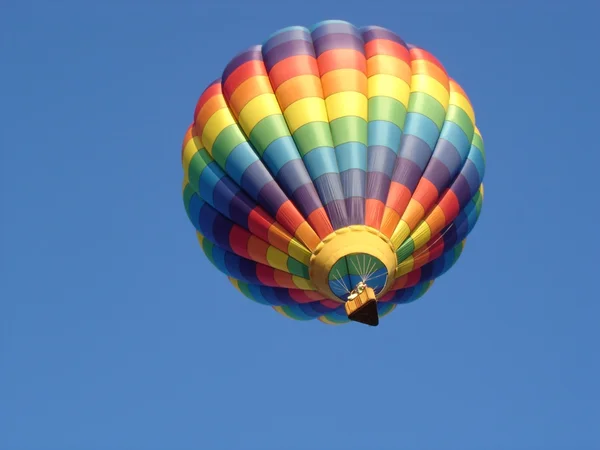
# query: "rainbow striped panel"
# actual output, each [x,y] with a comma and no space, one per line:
[322,128]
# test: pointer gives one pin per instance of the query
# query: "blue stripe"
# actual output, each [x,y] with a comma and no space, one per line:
[241,157]
[279,152]
[457,137]
[351,155]
[386,134]
[209,179]
[422,127]
[320,161]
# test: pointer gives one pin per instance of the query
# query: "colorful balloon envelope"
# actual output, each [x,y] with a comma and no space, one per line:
[333,173]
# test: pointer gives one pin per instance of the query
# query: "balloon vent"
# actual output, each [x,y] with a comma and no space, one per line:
[362,306]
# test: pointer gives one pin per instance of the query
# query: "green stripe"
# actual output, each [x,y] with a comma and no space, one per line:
[459,117]
[405,250]
[388,109]
[425,104]
[312,135]
[478,143]
[188,192]
[268,130]
[295,267]
[227,140]
[349,129]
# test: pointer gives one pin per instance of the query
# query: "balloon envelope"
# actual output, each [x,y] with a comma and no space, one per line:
[331,156]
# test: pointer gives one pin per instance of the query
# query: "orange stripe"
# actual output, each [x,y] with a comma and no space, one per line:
[419,53]
[455,87]
[342,59]
[289,217]
[413,214]
[292,67]
[395,66]
[426,193]
[297,88]
[436,220]
[242,73]
[249,89]
[210,107]
[428,68]
[307,236]
[284,279]
[211,91]
[374,213]
[257,250]
[278,238]
[341,81]
[398,197]
[389,221]
[319,221]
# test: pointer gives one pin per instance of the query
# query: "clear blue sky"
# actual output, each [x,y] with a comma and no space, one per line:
[115,331]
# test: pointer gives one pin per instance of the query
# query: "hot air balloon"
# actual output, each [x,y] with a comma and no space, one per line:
[333,173]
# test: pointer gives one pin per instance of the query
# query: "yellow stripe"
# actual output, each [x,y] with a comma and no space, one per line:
[325,320]
[400,234]
[302,283]
[405,267]
[277,259]
[280,310]
[220,120]
[456,98]
[190,149]
[306,110]
[235,283]
[345,104]
[421,235]
[257,109]
[389,86]
[431,86]
[299,252]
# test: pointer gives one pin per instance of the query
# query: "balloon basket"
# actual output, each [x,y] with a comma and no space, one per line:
[362,308]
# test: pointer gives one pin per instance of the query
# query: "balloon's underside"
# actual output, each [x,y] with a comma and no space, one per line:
[330,156]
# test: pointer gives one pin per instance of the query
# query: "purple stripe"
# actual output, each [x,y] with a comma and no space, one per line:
[290,35]
[356,210]
[354,182]
[254,178]
[271,197]
[461,189]
[221,227]
[292,175]
[372,33]
[329,187]
[306,199]
[248,269]
[338,41]
[251,54]
[335,28]
[407,173]
[446,152]
[225,190]
[240,208]
[381,159]
[449,236]
[469,171]
[378,186]
[287,49]
[338,215]
[438,174]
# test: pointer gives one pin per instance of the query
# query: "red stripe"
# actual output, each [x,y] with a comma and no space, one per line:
[266,275]
[419,53]
[413,278]
[238,241]
[292,67]
[387,47]
[259,223]
[242,73]
[342,59]
[319,221]
[426,194]
[209,92]
[449,205]
[374,213]
[398,197]
[289,217]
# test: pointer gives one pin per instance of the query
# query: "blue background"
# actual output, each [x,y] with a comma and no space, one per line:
[117,333]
